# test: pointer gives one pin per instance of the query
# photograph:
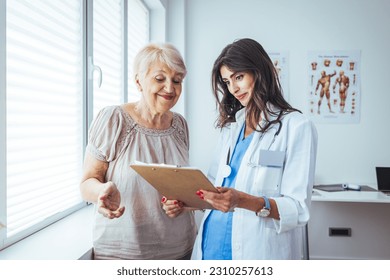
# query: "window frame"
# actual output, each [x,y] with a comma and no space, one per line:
[3,124]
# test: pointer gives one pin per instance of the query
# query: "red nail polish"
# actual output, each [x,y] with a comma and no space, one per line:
[163,199]
[175,202]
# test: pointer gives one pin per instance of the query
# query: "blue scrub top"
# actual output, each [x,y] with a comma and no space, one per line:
[217,229]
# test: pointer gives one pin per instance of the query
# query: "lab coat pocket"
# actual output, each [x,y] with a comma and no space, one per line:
[269,173]
[267,181]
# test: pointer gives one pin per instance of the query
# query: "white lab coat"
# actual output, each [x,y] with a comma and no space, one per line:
[290,186]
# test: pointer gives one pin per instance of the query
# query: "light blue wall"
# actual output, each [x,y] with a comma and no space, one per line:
[346,152]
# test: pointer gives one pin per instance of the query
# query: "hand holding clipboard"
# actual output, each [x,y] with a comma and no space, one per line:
[177,183]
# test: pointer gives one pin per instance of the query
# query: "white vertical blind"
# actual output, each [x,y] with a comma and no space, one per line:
[44,110]
[108,52]
[138,36]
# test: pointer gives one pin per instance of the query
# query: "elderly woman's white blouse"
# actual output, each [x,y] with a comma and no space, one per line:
[144,231]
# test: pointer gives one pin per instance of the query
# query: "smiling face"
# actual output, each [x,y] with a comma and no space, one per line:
[160,87]
[239,84]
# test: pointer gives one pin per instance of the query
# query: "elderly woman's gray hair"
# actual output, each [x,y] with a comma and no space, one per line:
[158,52]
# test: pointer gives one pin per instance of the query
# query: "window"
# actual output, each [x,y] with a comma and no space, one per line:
[44,110]
[138,34]
[108,53]
[47,99]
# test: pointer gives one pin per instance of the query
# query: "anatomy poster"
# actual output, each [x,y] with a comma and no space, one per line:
[334,86]
[280,61]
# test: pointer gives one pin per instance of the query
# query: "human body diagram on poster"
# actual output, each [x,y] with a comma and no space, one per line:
[280,60]
[334,87]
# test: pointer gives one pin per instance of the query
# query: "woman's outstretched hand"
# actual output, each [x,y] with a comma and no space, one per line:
[109,201]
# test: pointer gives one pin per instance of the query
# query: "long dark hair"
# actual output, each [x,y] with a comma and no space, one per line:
[247,55]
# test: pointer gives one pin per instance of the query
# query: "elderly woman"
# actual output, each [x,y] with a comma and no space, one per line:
[130,222]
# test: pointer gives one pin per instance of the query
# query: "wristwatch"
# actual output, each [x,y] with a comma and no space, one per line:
[266,210]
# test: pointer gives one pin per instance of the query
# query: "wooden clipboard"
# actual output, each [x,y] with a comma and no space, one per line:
[177,183]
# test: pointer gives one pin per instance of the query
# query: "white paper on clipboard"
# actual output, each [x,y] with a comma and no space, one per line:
[177,183]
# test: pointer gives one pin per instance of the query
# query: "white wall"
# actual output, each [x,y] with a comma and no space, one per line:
[346,152]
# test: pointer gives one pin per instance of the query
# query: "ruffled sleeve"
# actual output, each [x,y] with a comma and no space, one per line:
[105,134]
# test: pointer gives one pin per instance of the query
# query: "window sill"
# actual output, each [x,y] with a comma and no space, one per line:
[68,239]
